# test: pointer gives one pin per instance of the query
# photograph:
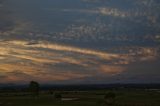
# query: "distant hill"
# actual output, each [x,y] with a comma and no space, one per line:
[84,86]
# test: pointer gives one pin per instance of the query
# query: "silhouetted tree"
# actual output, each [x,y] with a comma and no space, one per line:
[110,98]
[34,88]
[57,96]
[51,92]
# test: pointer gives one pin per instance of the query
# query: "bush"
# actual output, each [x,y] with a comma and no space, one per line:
[57,96]
[34,88]
[110,98]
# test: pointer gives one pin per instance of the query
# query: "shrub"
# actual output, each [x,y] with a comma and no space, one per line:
[110,98]
[57,96]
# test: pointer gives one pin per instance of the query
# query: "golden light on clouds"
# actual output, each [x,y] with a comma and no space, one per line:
[46,61]
[111,69]
[98,40]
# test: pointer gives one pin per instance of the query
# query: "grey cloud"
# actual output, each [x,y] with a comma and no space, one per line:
[6,22]
[96,41]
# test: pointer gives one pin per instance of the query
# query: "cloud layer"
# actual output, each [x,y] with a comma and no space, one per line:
[79,41]
[44,61]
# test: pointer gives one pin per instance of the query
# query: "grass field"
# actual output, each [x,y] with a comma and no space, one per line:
[82,98]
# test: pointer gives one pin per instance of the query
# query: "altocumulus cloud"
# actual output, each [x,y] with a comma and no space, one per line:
[109,42]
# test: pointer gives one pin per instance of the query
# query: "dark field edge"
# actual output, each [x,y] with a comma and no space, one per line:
[83,86]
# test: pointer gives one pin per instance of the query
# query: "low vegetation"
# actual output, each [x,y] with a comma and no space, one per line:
[33,96]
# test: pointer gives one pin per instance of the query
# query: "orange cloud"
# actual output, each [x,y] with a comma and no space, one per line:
[40,60]
[111,69]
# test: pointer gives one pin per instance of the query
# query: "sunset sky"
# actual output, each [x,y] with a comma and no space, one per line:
[80,41]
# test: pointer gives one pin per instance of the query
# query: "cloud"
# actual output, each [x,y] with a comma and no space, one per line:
[111,70]
[103,44]
[46,61]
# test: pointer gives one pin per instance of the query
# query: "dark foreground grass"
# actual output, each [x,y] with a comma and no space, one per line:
[85,98]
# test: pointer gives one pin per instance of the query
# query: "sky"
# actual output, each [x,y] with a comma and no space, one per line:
[79,41]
